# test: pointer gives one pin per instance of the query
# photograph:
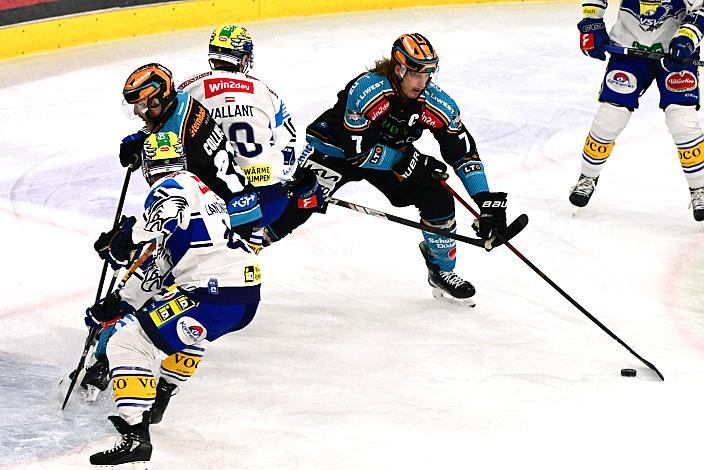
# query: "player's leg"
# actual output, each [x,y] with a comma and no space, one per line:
[679,97]
[626,78]
[131,355]
[332,174]
[437,209]
[175,370]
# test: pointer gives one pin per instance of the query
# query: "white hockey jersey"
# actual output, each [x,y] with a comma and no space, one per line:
[254,119]
[194,244]
[631,28]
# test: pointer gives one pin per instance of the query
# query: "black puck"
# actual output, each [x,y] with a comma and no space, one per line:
[628,372]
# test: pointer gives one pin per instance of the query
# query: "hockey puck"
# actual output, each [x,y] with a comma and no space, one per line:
[628,372]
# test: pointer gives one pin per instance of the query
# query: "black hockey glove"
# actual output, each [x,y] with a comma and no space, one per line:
[131,149]
[421,169]
[116,246]
[306,191]
[110,308]
[492,219]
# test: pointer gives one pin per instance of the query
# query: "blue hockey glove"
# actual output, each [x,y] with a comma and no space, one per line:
[681,51]
[307,192]
[593,37]
[492,219]
[116,246]
[652,19]
[131,149]
[244,210]
[421,169]
[110,308]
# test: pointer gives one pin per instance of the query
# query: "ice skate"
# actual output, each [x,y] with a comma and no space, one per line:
[447,285]
[132,451]
[164,392]
[697,203]
[582,191]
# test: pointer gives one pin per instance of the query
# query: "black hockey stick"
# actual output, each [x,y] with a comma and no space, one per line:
[556,287]
[512,230]
[646,54]
[93,331]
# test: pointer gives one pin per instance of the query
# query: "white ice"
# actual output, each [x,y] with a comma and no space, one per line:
[350,363]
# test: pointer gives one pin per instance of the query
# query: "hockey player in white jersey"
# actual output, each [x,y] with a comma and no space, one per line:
[257,123]
[217,279]
[675,26]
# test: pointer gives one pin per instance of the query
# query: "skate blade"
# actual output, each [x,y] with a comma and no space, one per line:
[575,210]
[444,296]
[128,466]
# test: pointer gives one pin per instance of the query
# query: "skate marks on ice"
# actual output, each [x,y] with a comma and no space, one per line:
[33,427]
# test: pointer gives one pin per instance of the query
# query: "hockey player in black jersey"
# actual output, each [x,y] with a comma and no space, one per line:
[368,135]
[150,94]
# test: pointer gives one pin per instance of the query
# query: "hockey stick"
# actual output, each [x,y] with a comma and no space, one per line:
[94,331]
[555,286]
[646,54]
[92,334]
[513,229]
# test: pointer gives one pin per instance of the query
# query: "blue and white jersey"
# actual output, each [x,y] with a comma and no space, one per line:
[191,227]
[634,28]
[255,121]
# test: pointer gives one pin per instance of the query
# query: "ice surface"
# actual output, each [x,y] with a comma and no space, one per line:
[350,362]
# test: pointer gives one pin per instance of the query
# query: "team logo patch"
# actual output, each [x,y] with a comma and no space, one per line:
[681,81]
[189,331]
[621,81]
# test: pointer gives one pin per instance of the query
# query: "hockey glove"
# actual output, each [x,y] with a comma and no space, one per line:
[116,246]
[131,149]
[681,51]
[245,211]
[652,19]
[110,308]
[421,169]
[492,220]
[306,191]
[593,37]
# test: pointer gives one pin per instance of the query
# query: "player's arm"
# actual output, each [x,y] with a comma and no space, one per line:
[593,36]
[687,39]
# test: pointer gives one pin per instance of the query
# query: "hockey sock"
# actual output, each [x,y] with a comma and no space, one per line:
[442,249]
[608,123]
[179,367]
[683,123]
[134,389]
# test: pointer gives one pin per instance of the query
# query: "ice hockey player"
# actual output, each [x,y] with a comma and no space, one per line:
[368,135]
[217,279]
[674,26]
[149,93]
[257,123]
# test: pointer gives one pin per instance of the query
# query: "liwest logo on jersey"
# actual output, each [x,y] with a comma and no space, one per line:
[218,86]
